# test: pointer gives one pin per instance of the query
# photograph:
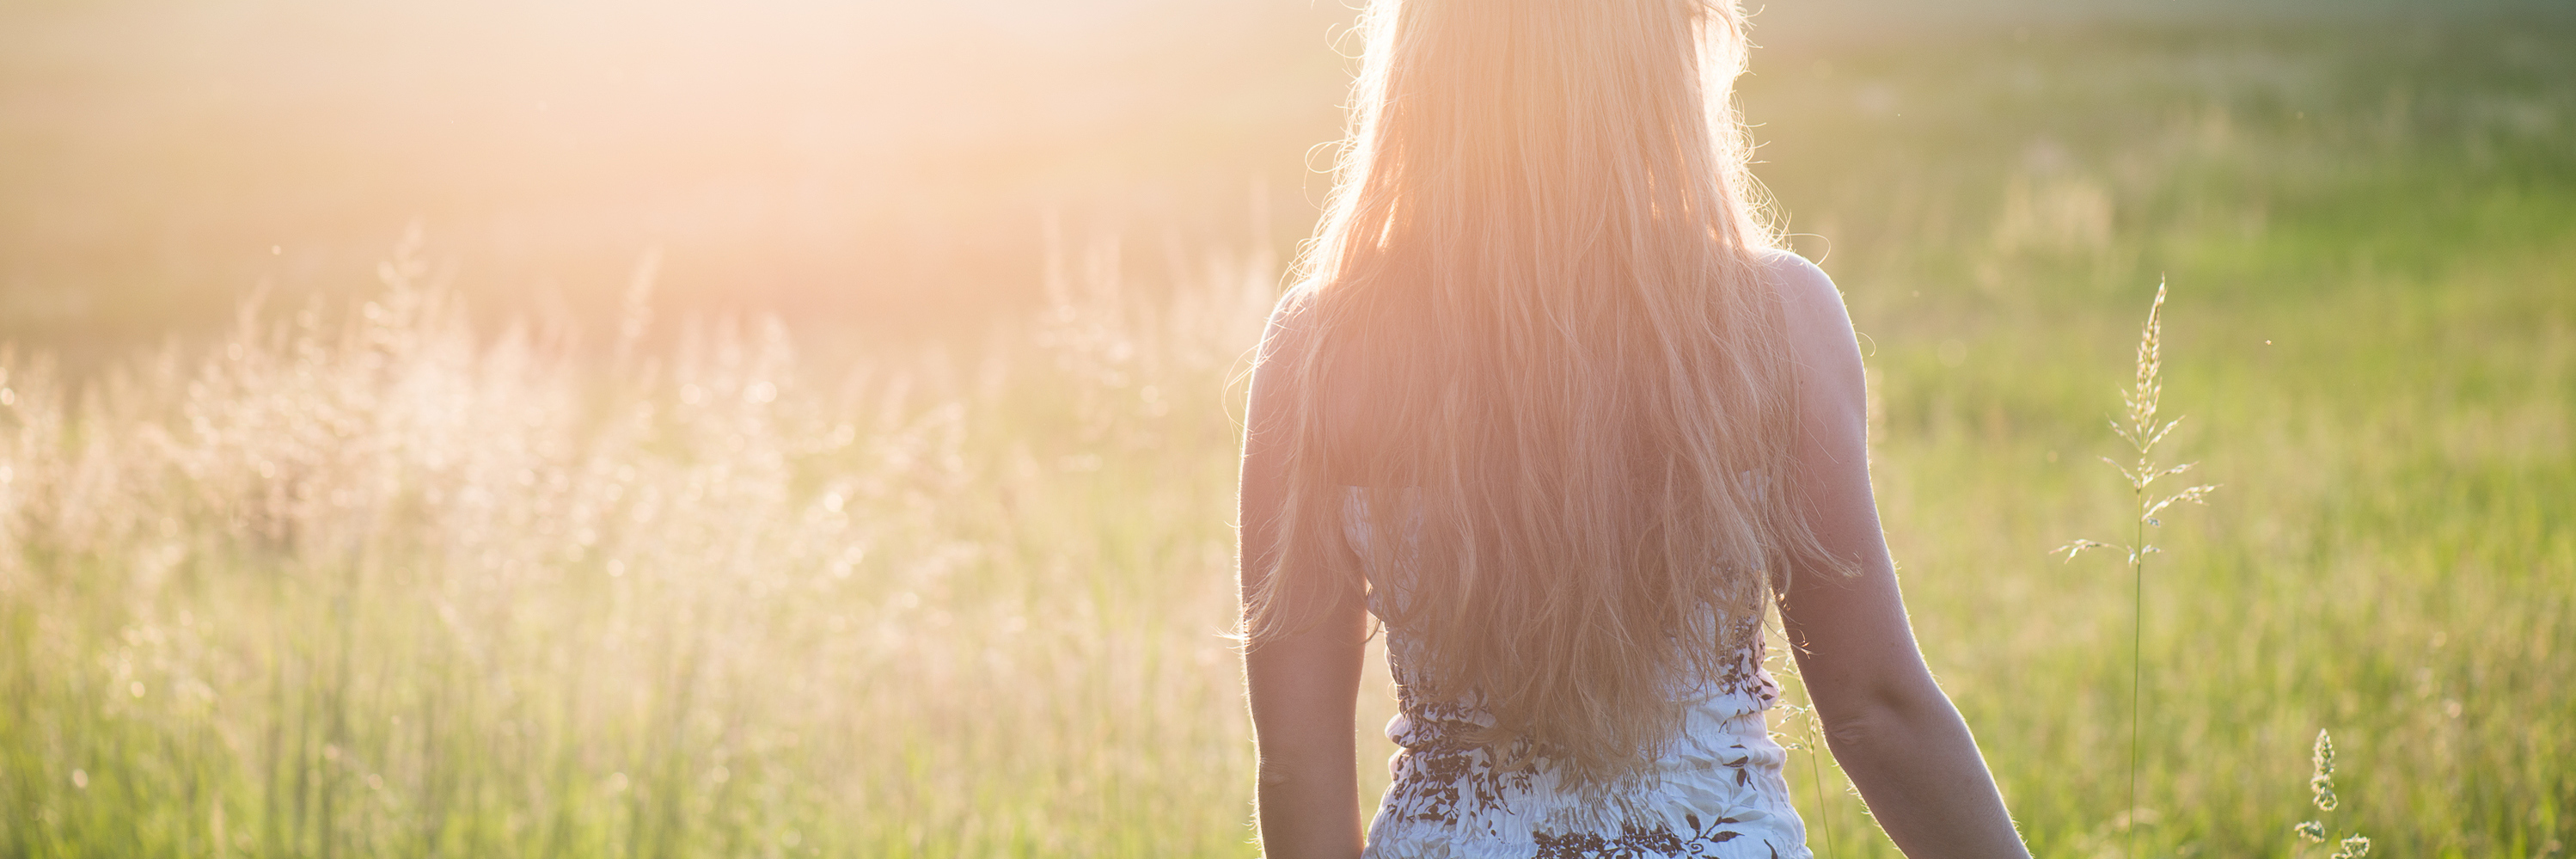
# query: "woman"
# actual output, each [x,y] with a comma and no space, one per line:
[1552,408]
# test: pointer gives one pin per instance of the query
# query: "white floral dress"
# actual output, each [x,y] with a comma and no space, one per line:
[1717,791]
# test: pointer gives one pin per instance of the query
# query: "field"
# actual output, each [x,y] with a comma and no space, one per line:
[396,576]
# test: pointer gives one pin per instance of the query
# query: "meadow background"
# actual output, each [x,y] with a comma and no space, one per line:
[799,429]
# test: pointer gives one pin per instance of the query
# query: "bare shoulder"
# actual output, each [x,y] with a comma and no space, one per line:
[1290,320]
[1820,336]
[1291,325]
[1809,302]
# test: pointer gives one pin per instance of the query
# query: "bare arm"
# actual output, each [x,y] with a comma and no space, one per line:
[1302,687]
[1888,723]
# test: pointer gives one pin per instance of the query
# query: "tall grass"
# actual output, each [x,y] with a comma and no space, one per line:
[382,586]
[385,585]
[2388,562]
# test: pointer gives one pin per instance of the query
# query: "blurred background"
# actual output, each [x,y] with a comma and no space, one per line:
[873,166]
[885,169]
[805,428]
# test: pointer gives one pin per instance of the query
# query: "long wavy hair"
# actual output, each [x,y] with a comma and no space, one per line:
[1542,266]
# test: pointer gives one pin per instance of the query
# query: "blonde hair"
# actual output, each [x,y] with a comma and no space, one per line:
[1542,261]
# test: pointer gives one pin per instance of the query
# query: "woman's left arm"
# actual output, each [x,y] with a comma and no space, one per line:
[1891,727]
[1303,685]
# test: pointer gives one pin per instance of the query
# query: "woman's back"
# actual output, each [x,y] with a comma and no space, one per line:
[1714,789]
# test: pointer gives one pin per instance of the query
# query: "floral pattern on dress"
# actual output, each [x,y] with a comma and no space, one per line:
[1716,791]
[1697,840]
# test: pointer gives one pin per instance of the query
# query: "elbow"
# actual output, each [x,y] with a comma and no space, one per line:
[1276,771]
[1857,729]
[1882,713]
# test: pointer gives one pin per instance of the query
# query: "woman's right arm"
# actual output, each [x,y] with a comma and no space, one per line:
[1890,726]
[1304,686]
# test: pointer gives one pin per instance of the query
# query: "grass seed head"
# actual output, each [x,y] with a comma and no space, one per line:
[2321,783]
[2078,547]
[2142,430]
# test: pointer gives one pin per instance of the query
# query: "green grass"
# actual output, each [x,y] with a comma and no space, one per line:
[377,583]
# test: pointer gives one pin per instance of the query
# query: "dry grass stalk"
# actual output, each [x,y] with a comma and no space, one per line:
[2142,431]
